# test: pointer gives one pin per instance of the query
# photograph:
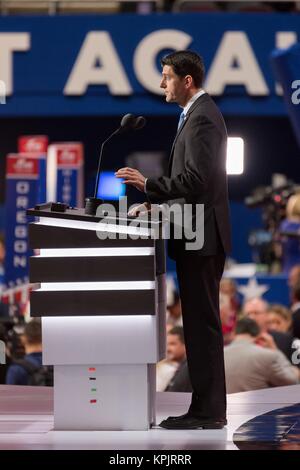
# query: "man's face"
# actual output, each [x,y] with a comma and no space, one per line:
[294,276]
[227,288]
[175,348]
[256,310]
[174,86]
[277,323]
[175,310]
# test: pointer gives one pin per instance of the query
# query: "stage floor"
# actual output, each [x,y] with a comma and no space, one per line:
[26,422]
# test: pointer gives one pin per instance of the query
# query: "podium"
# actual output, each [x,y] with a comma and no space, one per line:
[100,291]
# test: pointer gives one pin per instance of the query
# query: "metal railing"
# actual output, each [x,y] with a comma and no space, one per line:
[53,7]
[180,5]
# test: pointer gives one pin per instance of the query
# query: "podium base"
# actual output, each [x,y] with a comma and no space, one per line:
[104,397]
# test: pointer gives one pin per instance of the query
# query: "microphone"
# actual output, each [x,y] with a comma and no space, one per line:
[140,122]
[128,122]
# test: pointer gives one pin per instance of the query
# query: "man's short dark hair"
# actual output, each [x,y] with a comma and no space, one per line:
[33,332]
[247,326]
[178,331]
[186,63]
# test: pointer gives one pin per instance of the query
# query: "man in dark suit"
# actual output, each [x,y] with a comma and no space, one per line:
[196,176]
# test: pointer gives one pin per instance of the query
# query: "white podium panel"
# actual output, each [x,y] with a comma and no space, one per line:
[103,397]
[111,340]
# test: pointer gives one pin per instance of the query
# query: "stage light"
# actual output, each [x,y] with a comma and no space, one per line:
[235,156]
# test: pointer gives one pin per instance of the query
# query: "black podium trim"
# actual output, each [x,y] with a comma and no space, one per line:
[50,236]
[92,268]
[79,214]
[92,303]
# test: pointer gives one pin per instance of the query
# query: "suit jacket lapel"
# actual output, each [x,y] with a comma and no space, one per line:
[174,142]
[192,108]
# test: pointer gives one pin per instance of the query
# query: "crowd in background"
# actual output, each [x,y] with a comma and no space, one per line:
[261,341]
[261,344]
[207,6]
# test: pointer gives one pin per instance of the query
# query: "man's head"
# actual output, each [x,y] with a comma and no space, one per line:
[294,275]
[257,310]
[32,337]
[295,292]
[247,327]
[182,76]
[175,308]
[228,287]
[279,318]
[175,344]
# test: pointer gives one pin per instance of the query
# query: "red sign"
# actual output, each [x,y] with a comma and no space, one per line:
[22,165]
[33,143]
[69,155]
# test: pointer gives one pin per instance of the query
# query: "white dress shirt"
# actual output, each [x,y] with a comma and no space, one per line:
[192,100]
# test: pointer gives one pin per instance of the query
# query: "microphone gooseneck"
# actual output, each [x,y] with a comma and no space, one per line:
[128,122]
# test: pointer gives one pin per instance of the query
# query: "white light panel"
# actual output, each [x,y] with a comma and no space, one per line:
[114,285]
[235,156]
[70,252]
[95,226]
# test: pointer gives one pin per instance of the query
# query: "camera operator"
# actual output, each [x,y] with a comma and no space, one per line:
[280,204]
[4,367]
[291,224]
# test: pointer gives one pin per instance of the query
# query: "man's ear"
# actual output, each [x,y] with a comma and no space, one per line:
[188,81]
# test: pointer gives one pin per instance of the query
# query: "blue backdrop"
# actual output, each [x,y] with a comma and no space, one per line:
[286,65]
[40,73]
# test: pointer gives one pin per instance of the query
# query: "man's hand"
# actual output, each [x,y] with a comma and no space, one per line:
[140,209]
[266,341]
[132,177]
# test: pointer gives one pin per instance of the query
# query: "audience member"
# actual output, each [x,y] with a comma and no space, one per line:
[4,365]
[4,309]
[172,373]
[228,288]
[296,309]
[257,310]
[228,318]
[180,382]
[30,370]
[174,314]
[249,366]
[279,318]
[291,245]
[294,275]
